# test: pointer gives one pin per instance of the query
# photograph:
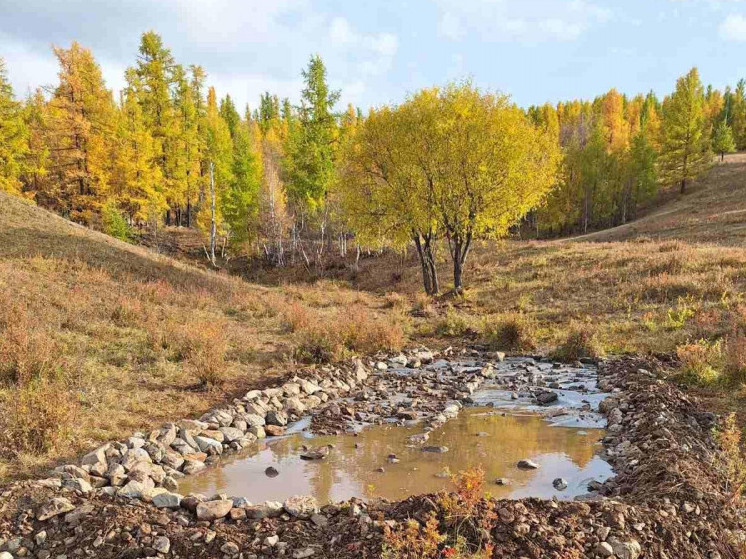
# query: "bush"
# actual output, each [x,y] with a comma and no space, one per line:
[582,341]
[295,316]
[114,223]
[512,332]
[453,324]
[204,346]
[699,362]
[36,419]
[27,353]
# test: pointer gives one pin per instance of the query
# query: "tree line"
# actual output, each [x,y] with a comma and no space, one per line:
[447,166]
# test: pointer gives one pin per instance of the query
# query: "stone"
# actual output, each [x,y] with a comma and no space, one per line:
[212,510]
[54,507]
[279,418]
[98,456]
[625,549]
[527,464]
[209,445]
[271,472]
[230,548]
[316,454]
[237,513]
[319,520]
[435,449]
[268,509]
[134,489]
[257,431]
[304,553]
[74,517]
[231,434]
[301,506]
[193,466]
[272,540]
[604,549]
[5,555]
[502,481]
[559,484]
[294,405]
[162,544]
[544,398]
[167,500]
[274,430]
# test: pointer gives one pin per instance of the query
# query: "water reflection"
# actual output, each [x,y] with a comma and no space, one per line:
[350,469]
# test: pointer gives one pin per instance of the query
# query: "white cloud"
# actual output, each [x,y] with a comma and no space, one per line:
[375,51]
[529,20]
[733,28]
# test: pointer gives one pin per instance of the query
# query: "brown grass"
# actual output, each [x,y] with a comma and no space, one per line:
[126,339]
[511,332]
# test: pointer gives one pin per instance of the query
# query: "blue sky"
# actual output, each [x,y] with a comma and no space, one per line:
[378,51]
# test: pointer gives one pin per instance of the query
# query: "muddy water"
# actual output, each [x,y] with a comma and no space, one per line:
[477,437]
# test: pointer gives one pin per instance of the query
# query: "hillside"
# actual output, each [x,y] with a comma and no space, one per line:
[712,211]
[121,338]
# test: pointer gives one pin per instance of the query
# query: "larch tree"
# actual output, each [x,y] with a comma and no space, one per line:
[722,140]
[686,140]
[79,128]
[13,137]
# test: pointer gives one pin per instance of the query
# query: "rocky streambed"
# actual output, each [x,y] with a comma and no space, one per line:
[668,498]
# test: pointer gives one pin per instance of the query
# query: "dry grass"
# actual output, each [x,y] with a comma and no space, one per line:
[511,332]
[126,339]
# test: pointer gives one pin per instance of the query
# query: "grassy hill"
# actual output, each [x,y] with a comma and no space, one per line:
[99,338]
[713,211]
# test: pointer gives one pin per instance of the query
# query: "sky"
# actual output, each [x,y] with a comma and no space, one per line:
[378,51]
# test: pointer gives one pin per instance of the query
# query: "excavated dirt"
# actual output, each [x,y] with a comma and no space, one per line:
[669,500]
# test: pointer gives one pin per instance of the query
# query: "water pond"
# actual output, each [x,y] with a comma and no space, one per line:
[490,437]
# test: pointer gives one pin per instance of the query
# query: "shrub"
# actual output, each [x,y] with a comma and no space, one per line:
[582,341]
[204,347]
[413,540]
[512,332]
[699,362]
[127,312]
[114,223]
[729,439]
[26,353]
[453,324]
[36,418]
[735,358]
[295,316]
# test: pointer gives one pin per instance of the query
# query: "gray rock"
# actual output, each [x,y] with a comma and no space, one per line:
[135,489]
[209,445]
[559,484]
[435,449]
[527,464]
[301,506]
[545,398]
[230,548]
[279,418]
[304,553]
[212,510]
[231,434]
[603,549]
[98,456]
[53,507]
[268,509]
[167,500]
[625,549]
[162,544]
[192,467]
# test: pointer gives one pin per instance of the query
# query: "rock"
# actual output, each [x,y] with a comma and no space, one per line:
[625,549]
[269,509]
[272,540]
[135,489]
[230,548]
[419,438]
[435,449]
[212,510]
[257,431]
[319,520]
[544,398]
[74,517]
[133,456]
[603,549]
[527,464]
[301,506]
[502,481]
[316,454]
[231,434]
[304,553]
[192,467]
[98,456]
[278,418]
[209,445]
[162,544]
[274,430]
[53,507]
[237,513]
[559,484]
[191,501]
[5,555]
[167,500]
[294,405]
[271,472]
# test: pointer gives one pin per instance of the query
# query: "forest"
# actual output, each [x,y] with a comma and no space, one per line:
[291,183]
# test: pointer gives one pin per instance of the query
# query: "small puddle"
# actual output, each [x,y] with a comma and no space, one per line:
[350,468]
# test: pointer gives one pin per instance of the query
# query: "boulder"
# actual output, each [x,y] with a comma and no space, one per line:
[212,510]
[54,507]
[527,464]
[167,500]
[301,506]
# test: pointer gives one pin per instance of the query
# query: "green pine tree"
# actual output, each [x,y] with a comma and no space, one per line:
[722,140]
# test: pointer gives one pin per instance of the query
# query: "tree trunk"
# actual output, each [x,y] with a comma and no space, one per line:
[683,186]
[213,228]
[426,280]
